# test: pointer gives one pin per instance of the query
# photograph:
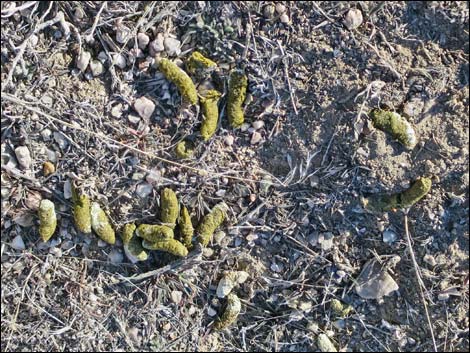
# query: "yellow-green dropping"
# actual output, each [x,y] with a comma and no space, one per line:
[154,232]
[169,207]
[404,199]
[180,78]
[198,62]
[134,250]
[324,343]
[183,150]
[209,224]
[396,125]
[171,246]
[47,219]
[210,111]
[128,232]
[339,309]
[81,211]
[230,314]
[236,96]
[100,224]
[186,227]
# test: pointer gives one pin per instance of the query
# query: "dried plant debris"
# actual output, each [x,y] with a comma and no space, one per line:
[134,250]
[186,227]
[230,314]
[374,282]
[402,200]
[81,211]
[229,281]
[210,111]
[154,232]
[47,219]
[183,150]
[171,246]
[238,84]
[324,343]
[396,125]
[180,78]
[101,225]
[198,63]
[210,223]
[169,208]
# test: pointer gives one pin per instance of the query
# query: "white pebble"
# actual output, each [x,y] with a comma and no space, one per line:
[17,243]
[83,60]
[211,311]
[61,140]
[120,61]
[144,107]
[102,56]
[353,19]
[143,190]
[176,296]
[46,134]
[122,34]
[256,138]
[96,67]
[156,46]
[229,140]
[284,18]
[23,156]
[389,236]
[244,127]
[143,40]
[258,124]
[116,111]
[67,189]
[172,46]
[280,8]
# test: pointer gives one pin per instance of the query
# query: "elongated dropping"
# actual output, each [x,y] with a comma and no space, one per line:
[154,232]
[101,225]
[81,211]
[180,78]
[236,96]
[171,246]
[47,219]
[186,227]
[210,223]
[169,207]
[210,112]
[396,125]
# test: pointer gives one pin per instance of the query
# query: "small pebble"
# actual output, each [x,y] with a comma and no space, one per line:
[244,127]
[133,119]
[211,311]
[23,156]
[172,46]
[120,61]
[96,68]
[389,236]
[258,124]
[122,34]
[83,60]
[102,56]
[353,19]
[229,139]
[143,40]
[256,138]
[430,260]
[67,189]
[116,111]
[143,190]
[268,11]
[46,134]
[144,107]
[17,243]
[61,140]
[176,296]
[156,46]
[280,8]
[284,18]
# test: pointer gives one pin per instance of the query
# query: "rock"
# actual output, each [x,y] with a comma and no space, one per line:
[143,190]
[47,100]
[46,134]
[133,119]
[389,236]
[115,256]
[172,46]
[120,61]
[268,11]
[25,219]
[244,127]
[116,111]
[256,138]
[280,8]
[374,282]
[61,140]
[156,46]
[102,56]
[23,156]
[326,240]
[123,34]
[229,281]
[17,243]
[258,124]
[229,140]
[96,68]
[176,296]
[144,107]
[154,177]
[67,189]
[83,60]
[353,19]
[143,40]
[211,311]
[284,18]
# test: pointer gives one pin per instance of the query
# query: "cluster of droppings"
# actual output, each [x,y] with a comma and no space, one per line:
[210,223]
[47,219]
[236,96]
[101,225]
[210,111]
[396,125]
[402,200]
[180,78]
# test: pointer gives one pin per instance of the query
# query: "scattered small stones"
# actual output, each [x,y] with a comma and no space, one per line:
[143,190]
[46,134]
[122,34]
[256,138]
[172,46]
[280,8]
[144,107]
[17,243]
[353,19]
[96,68]
[23,156]
[133,119]
[83,60]
[143,40]
[229,281]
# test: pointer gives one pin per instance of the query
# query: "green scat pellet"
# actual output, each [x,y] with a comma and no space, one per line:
[135,251]
[198,62]
[230,314]
[324,343]
[128,232]
[154,232]
[186,227]
[100,224]
[210,111]
[47,219]
[396,125]
[404,199]
[180,78]
[169,207]
[171,246]
[339,309]
[81,211]
[209,224]
[183,151]
[236,96]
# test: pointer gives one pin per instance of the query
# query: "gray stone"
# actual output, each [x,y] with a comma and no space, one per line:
[172,46]
[144,107]
[23,156]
